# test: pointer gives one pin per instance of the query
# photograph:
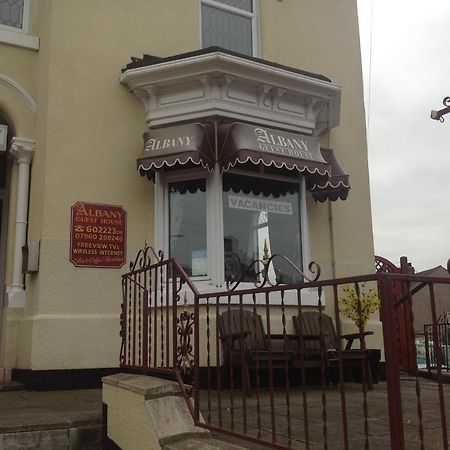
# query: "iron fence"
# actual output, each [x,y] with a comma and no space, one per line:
[279,364]
[437,345]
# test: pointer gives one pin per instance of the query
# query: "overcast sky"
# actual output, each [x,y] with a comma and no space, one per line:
[407,75]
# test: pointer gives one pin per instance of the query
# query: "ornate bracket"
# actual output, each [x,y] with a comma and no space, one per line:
[146,257]
[262,275]
[438,115]
[185,328]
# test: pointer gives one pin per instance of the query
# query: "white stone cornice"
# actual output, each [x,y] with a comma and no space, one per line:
[23,150]
[219,84]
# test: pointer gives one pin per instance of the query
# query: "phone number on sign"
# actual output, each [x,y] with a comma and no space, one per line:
[100,237]
[101,230]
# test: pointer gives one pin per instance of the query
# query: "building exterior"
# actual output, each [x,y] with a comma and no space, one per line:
[205,74]
[421,300]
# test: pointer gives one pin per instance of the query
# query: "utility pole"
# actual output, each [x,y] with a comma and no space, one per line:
[438,115]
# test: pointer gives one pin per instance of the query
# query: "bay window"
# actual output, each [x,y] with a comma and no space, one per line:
[217,225]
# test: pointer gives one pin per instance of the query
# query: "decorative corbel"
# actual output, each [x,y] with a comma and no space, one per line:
[265,96]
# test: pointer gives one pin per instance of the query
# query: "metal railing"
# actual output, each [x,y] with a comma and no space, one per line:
[258,374]
[437,345]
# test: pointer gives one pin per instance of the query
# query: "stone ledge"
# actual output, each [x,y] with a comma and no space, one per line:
[144,412]
[172,419]
[146,386]
[86,438]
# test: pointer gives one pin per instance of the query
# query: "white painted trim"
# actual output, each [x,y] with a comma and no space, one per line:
[158,205]
[20,91]
[304,224]
[26,19]
[204,86]
[19,39]
[23,151]
[256,30]
[229,8]
[134,77]
[214,222]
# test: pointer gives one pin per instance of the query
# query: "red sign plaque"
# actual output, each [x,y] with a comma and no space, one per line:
[98,235]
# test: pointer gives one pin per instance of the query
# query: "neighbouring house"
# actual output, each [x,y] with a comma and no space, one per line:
[421,300]
[254,132]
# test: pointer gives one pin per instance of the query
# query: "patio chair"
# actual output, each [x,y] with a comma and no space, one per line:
[246,344]
[318,334]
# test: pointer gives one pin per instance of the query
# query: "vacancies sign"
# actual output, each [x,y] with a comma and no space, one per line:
[98,235]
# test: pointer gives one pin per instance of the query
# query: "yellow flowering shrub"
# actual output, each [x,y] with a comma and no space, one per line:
[369,302]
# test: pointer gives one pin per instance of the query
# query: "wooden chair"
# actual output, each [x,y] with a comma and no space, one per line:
[317,332]
[246,344]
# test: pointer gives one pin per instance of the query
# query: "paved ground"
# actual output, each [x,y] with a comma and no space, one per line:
[72,419]
[329,407]
[59,419]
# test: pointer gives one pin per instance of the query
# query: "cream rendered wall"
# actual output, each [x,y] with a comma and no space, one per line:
[89,129]
[17,64]
[89,135]
[323,38]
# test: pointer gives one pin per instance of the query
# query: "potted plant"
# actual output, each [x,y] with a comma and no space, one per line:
[358,303]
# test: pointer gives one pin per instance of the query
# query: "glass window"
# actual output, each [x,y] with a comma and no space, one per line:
[218,226]
[12,13]
[187,225]
[258,214]
[230,26]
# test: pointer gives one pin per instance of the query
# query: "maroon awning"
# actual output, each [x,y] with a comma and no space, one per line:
[244,143]
[182,145]
[240,144]
[337,185]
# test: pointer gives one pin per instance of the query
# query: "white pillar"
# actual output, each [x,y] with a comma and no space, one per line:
[23,151]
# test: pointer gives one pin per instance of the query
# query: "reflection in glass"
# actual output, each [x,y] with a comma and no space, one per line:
[227,30]
[187,225]
[258,213]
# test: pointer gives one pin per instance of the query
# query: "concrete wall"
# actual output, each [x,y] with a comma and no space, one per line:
[88,129]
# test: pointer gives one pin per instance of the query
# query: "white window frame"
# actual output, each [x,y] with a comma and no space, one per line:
[215,280]
[25,20]
[20,37]
[254,16]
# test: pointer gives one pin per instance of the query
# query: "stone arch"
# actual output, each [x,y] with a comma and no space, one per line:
[18,107]
[20,91]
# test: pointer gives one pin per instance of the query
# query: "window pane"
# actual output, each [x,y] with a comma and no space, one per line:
[225,29]
[187,225]
[246,5]
[258,213]
[11,13]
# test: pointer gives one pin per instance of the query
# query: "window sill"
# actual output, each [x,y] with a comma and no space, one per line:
[19,39]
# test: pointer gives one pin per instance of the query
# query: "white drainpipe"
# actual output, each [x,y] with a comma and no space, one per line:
[23,151]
